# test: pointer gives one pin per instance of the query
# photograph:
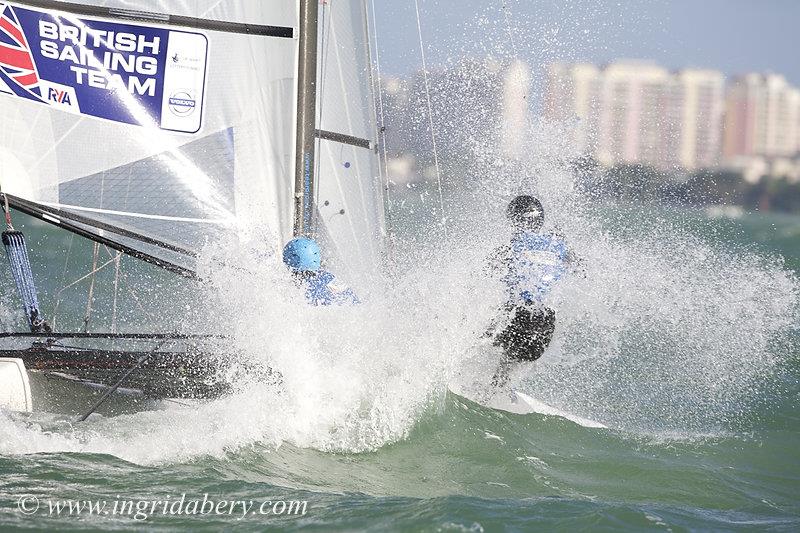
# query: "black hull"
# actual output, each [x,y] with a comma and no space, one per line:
[164,375]
[183,368]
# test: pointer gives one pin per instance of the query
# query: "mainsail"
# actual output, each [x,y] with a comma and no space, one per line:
[167,125]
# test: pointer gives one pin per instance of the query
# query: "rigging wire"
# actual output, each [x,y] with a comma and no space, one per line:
[384,168]
[87,316]
[322,64]
[507,18]
[124,278]
[117,261]
[119,276]
[430,120]
[85,276]
[63,278]
[514,50]
[142,360]
[95,257]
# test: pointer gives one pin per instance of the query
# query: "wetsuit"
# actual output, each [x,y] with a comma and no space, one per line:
[534,262]
[322,289]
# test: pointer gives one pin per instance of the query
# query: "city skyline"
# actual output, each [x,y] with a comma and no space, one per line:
[622,113]
[643,113]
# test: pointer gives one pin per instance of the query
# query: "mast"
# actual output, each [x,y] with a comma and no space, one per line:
[304,184]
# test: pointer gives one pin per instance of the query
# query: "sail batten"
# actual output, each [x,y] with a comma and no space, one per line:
[221,221]
[344,138]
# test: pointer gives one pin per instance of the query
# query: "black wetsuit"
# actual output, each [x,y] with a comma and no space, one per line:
[529,332]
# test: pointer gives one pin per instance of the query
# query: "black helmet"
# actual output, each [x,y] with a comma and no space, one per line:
[526,212]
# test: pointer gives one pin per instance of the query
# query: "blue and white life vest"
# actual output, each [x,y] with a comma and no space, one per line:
[322,289]
[536,262]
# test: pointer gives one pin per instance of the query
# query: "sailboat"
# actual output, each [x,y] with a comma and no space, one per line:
[158,128]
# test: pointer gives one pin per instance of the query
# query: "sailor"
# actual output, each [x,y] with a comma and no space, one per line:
[303,257]
[532,262]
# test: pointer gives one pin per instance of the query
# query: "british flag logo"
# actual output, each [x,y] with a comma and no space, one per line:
[17,68]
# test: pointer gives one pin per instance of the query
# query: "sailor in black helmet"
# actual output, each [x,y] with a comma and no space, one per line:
[532,262]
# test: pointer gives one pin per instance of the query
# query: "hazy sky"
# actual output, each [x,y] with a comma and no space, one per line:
[730,35]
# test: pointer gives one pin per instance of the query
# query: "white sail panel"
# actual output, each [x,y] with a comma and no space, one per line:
[350,193]
[181,188]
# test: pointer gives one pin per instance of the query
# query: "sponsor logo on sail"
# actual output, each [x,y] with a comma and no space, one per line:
[186,62]
[60,97]
[182,103]
[122,71]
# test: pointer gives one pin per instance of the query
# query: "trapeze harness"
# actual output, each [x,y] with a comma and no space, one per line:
[536,262]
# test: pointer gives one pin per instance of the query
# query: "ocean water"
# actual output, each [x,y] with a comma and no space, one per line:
[680,334]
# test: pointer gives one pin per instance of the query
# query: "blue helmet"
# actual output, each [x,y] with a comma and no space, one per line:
[302,254]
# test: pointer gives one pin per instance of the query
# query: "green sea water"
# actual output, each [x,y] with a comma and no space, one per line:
[727,465]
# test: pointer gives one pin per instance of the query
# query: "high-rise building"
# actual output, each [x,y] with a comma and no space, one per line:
[572,96]
[639,105]
[762,117]
[638,112]
[701,123]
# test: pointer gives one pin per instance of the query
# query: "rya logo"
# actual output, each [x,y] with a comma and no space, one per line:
[60,97]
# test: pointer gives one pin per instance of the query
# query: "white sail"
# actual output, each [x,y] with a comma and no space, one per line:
[230,92]
[350,191]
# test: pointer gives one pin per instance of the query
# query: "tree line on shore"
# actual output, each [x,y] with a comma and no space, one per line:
[705,187]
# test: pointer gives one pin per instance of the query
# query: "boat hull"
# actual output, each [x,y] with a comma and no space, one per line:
[68,377]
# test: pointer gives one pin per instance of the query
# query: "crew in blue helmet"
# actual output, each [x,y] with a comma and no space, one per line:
[302,254]
[530,264]
[303,257]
